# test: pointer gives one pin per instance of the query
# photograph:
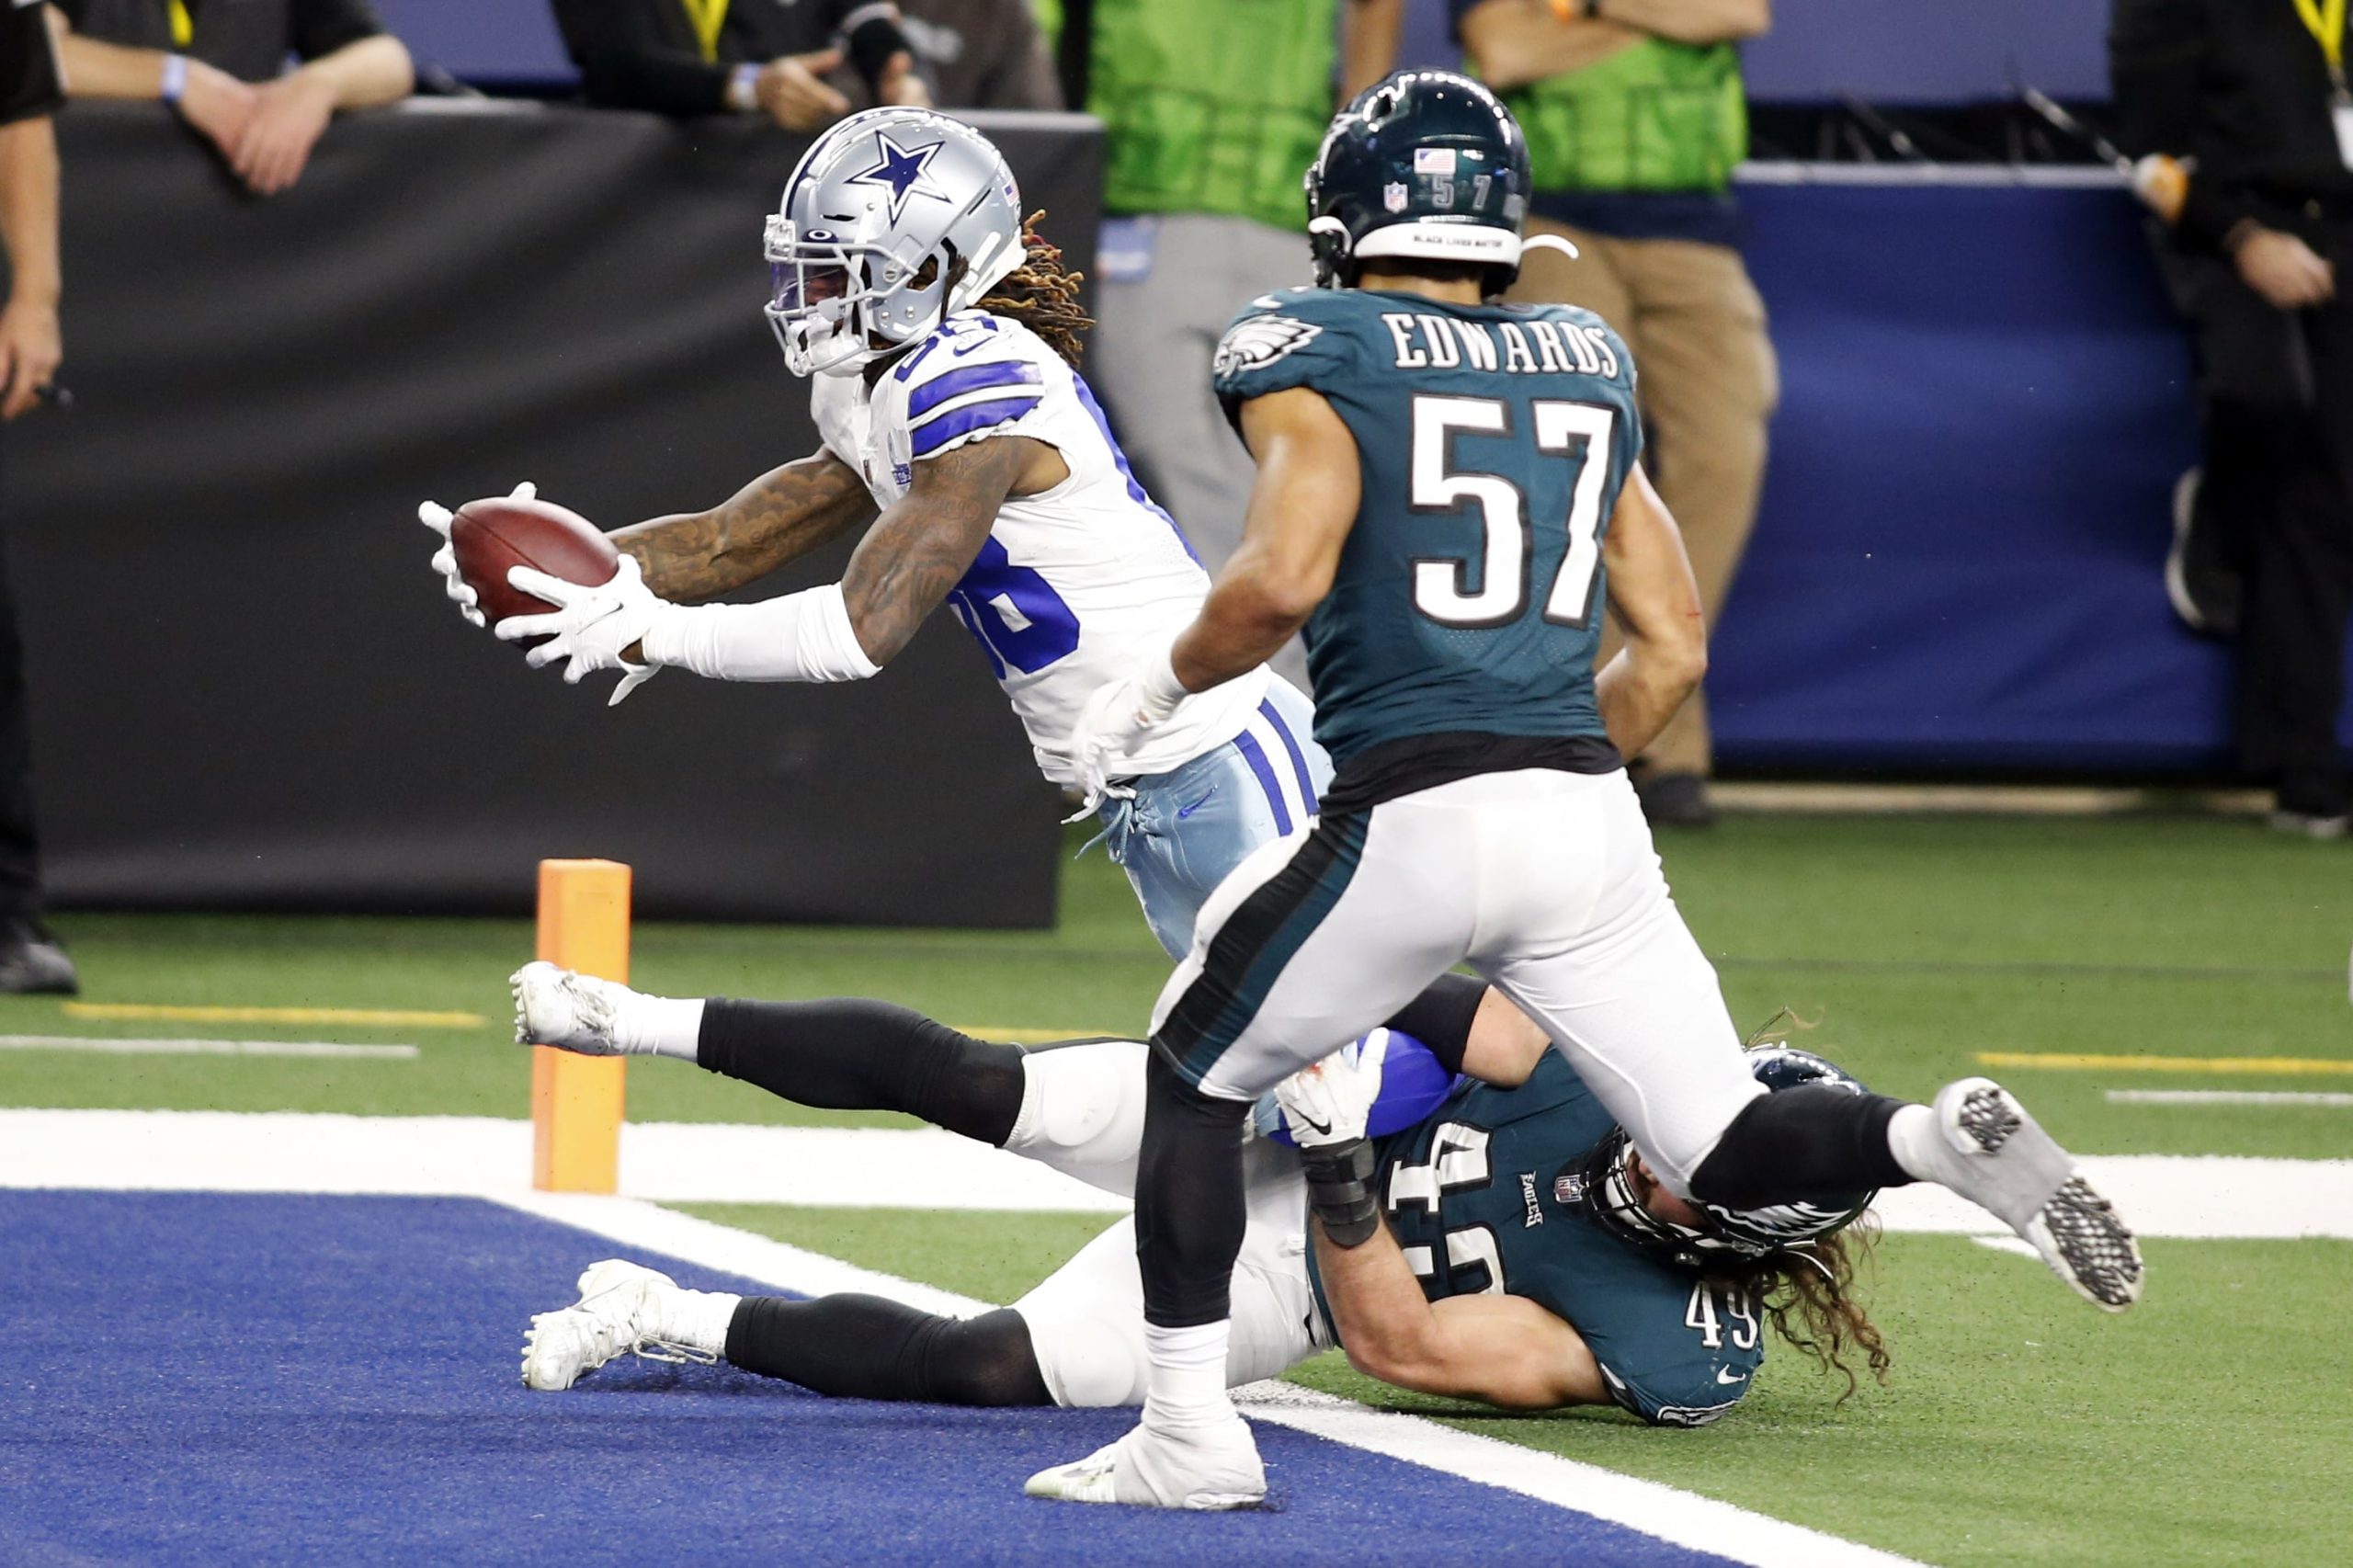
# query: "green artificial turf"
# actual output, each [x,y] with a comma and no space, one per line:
[2018,1426]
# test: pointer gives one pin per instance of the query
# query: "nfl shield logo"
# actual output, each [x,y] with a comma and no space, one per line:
[1568,1190]
[1394,198]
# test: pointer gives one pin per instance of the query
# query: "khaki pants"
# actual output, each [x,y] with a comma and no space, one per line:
[1709,382]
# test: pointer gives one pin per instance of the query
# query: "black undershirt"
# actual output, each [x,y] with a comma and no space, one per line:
[1415,763]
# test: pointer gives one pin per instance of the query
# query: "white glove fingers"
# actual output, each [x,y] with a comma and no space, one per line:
[527,490]
[540,585]
[436,516]
[515,628]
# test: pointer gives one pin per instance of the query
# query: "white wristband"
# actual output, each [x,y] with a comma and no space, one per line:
[744,89]
[1158,689]
[805,636]
[175,78]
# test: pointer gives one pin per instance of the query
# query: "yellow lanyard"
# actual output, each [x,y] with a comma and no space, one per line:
[2326,22]
[710,16]
[184,25]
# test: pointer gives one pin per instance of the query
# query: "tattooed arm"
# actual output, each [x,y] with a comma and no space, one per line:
[912,555]
[926,540]
[777,518]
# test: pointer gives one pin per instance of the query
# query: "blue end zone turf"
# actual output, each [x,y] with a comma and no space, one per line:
[202,1378]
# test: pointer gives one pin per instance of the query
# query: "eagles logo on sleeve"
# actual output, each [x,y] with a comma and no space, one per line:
[1255,343]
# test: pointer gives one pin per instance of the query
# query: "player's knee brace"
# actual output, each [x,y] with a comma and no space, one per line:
[1082,1110]
[1802,1143]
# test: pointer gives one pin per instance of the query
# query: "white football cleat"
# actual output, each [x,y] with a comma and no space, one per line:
[1202,1468]
[571,1012]
[617,1307]
[1991,1153]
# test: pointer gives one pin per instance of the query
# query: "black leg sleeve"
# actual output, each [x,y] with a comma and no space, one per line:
[1440,1018]
[869,1347]
[1799,1145]
[859,1055]
[1189,1205]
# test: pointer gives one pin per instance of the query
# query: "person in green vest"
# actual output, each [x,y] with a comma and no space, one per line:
[1635,118]
[1213,109]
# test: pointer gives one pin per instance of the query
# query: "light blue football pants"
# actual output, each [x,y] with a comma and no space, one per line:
[1182,831]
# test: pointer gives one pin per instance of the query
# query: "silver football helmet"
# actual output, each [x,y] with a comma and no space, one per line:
[862,252]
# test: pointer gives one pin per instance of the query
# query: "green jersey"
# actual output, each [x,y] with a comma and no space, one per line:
[1493,441]
[1486,1195]
[1213,106]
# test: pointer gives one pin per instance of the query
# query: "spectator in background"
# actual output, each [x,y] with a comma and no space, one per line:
[1214,109]
[2257,95]
[221,63]
[1635,116]
[806,65]
[30,351]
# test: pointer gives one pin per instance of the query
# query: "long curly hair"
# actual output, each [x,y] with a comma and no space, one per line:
[1808,1296]
[1807,1293]
[1042,296]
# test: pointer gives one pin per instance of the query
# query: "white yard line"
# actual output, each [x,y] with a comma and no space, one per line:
[1683,1518]
[206,1046]
[870,1168]
[2227,1096]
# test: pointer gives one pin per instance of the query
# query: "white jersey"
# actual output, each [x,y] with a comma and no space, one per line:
[1074,586]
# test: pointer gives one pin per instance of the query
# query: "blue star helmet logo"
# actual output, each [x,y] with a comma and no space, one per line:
[906,170]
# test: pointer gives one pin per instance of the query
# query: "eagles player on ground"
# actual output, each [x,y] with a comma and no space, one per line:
[941,337]
[1621,1293]
[1448,488]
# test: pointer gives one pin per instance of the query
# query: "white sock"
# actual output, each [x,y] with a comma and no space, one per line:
[1187,1386]
[696,1319]
[657,1026]
[1913,1138]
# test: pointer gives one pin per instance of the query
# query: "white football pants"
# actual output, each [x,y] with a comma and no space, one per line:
[1545,882]
[1083,1114]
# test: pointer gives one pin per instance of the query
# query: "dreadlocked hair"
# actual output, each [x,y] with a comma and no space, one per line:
[1042,296]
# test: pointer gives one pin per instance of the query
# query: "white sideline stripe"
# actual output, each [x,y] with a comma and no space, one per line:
[2223,1097]
[838,1167]
[206,1046]
[1682,1518]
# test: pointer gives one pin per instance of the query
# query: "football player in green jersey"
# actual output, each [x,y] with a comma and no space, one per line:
[1534,1262]
[1449,493]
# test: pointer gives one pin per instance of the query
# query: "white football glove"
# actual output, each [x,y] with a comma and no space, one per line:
[1331,1102]
[1115,719]
[438,518]
[589,625]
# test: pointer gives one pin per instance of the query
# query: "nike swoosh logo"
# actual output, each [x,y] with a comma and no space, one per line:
[1726,1375]
[1322,1128]
[1184,811]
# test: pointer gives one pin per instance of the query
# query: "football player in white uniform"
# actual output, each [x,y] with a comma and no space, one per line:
[941,337]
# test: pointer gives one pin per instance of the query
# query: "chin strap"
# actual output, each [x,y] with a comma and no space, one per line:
[1328,243]
[1547,242]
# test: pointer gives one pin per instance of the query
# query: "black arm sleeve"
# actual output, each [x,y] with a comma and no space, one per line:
[322,27]
[628,59]
[1442,1016]
[2156,53]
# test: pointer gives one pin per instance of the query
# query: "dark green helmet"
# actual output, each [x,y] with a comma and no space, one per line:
[1424,163]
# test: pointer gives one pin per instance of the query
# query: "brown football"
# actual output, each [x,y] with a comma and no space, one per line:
[491,535]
